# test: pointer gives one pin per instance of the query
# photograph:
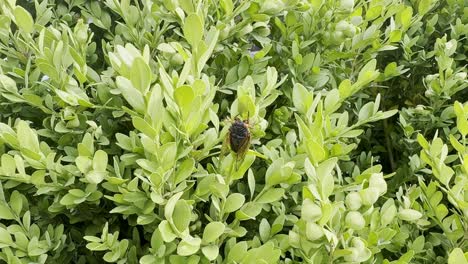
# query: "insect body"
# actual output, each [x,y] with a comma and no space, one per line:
[239,136]
[238,139]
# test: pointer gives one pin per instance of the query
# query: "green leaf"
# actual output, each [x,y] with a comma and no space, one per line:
[404,17]
[212,40]
[246,105]
[184,170]
[92,239]
[457,257]
[374,12]
[264,230]
[237,252]
[368,73]
[100,161]
[181,215]
[16,202]
[132,95]
[143,126]
[5,212]
[184,96]
[227,6]
[325,176]
[310,211]
[8,84]
[95,177]
[23,19]
[302,99]
[167,233]
[423,142]
[140,75]
[366,111]
[332,101]
[5,238]
[111,256]
[169,208]
[395,36]
[273,173]
[8,165]
[28,137]
[345,89]
[270,196]
[409,214]
[94,246]
[249,211]
[186,5]
[211,252]
[168,154]
[424,6]
[233,202]
[193,29]
[188,246]
[213,231]
[35,248]
[388,212]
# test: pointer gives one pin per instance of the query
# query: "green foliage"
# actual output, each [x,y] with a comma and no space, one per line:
[113,114]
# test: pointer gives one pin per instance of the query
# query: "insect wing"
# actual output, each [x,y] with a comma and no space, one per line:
[244,146]
[225,148]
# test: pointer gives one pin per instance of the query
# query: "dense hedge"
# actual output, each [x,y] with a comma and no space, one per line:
[113,115]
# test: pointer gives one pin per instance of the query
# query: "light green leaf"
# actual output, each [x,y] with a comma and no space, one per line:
[95,177]
[227,6]
[409,214]
[332,101]
[28,137]
[273,173]
[181,215]
[264,229]
[5,212]
[8,84]
[404,17]
[457,257]
[249,211]
[325,176]
[270,196]
[211,252]
[169,208]
[35,248]
[366,111]
[425,5]
[143,126]
[184,96]
[233,202]
[167,233]
[132,95]
[213,231]
[193,29]
[8,165]
[302,99]
[16,202]
[212,40]
[188,246]
[345,89]
[184,170]
[140,75]
[423,142]
[5,238]
[23,19]
[100,161]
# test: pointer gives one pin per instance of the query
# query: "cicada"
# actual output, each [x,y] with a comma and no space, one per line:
[237,139]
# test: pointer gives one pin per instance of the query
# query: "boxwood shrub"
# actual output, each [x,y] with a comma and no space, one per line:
[114,114]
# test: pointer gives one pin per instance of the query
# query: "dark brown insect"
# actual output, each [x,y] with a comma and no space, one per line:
[237,139]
